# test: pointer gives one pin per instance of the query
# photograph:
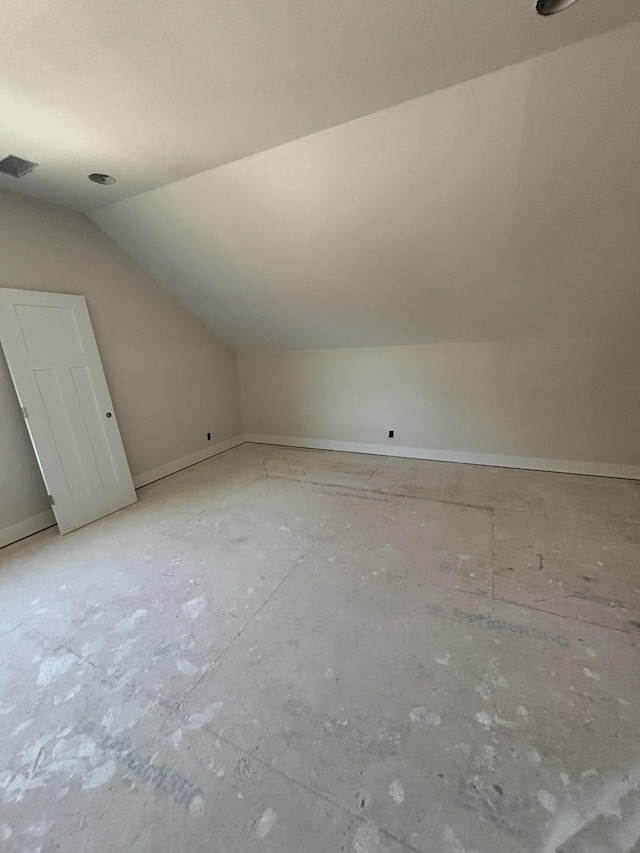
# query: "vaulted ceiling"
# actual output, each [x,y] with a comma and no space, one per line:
[312,175]
[153,91]
[505,207]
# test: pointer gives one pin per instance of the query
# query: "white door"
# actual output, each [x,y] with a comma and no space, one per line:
[53,359]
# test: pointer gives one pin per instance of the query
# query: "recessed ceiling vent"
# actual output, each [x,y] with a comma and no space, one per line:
[105,180]
[550,7]
[16,166]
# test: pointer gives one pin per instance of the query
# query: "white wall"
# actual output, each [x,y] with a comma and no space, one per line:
[170,379]
[570,401]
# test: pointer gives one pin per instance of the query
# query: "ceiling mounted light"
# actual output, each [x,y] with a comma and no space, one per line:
[550,7]
[105,180]
[16,166]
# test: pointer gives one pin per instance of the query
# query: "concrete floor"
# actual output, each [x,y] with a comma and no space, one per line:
[303,652]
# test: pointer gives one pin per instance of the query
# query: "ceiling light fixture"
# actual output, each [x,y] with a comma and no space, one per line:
[105,180]
[550,7]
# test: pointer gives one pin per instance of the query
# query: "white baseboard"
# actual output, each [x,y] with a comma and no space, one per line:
[46,519]
[28,527]
[178,464]
[39,522]
[563,466]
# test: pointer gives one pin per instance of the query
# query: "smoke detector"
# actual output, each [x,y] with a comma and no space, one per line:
[105,180]
[16,166]
[550,7]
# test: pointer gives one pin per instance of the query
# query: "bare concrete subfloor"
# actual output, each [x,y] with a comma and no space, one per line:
[303,652]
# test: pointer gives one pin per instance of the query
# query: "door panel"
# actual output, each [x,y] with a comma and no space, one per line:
[54,362]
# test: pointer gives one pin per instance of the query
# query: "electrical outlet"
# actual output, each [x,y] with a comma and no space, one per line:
[391,433]
[208,436]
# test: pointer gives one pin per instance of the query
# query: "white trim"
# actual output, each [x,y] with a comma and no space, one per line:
[25,528]
[186,461]
[46,519]
[596,469]
[563,466]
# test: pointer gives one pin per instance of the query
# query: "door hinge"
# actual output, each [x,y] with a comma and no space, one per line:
[51,500]
[24,413]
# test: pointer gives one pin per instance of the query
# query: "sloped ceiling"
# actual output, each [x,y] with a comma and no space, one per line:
[152,91]
[505,207]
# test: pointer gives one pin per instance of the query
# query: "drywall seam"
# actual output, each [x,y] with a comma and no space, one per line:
[27,527]
[562,466]
[186,461]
